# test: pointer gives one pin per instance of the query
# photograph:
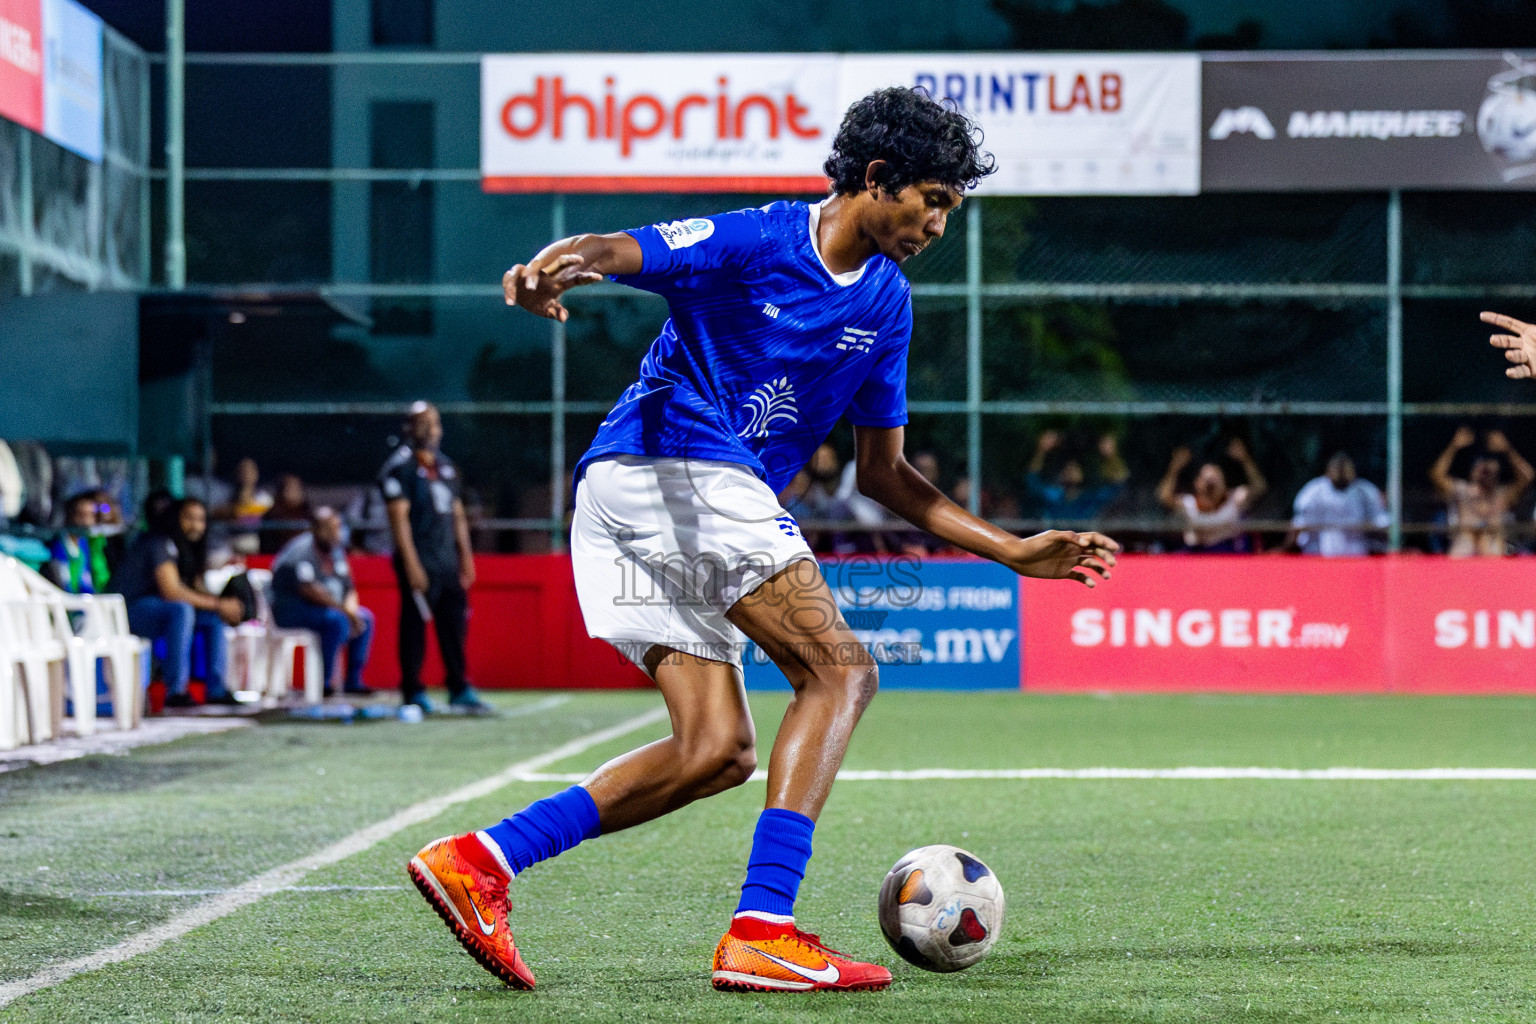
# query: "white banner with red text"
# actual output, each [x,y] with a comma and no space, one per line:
[1059,124]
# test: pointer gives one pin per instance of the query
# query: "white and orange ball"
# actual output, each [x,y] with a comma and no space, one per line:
[941,908]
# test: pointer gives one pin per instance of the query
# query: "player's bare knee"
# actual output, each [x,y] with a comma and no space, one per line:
[864,684]
[853,684]
[738,768]
[720,760]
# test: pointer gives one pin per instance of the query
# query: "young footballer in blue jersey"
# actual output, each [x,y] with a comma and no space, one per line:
[783,319]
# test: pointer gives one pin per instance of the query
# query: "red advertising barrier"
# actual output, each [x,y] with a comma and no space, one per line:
[1165,622]
[1295,625]
[525,629]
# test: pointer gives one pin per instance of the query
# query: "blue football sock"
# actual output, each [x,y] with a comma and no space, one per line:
[546,828]
[781,847]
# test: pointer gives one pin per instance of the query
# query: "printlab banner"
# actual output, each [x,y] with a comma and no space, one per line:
[1242,623]
[50,71]
[1359,121]
[1067,124]
[932,625]
[1062,124]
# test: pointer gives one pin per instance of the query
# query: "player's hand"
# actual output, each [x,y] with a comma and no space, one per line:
[356,621]
[231,611]
[538,285]
[1182,457]
[1496,442]
[1064,555]
[1109,446]
[416,576]
[1463,438]
[1237,451]
[467,574]
[1519,345]
[1049,441]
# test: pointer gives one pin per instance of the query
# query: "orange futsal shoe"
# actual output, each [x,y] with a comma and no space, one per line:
[465,879]
[759,955]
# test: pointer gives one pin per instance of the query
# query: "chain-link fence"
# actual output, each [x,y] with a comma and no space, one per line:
[1303,324]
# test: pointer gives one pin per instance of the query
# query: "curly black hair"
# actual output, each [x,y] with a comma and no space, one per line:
[918,138]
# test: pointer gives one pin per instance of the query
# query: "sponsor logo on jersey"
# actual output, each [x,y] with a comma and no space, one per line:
[1243,120]
[680,234]
[855,340]
[773,402]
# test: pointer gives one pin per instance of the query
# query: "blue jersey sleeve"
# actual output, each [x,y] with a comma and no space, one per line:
[881,400]
[687,248]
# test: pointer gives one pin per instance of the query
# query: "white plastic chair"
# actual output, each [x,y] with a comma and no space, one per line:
[283,644]
[33,670]
[102,635]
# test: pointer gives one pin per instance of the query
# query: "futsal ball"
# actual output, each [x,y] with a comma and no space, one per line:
[941,908]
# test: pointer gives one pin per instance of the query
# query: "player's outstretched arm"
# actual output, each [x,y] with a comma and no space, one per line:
[885,475]
[538,285]
[1519,345]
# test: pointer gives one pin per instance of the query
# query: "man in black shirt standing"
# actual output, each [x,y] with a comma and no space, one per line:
[433,562]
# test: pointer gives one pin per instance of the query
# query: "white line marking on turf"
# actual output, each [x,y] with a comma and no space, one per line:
[1192,772]
[280,878]
[151,893]
[537,706]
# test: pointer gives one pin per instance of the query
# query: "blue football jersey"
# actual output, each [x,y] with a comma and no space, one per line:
[765,347]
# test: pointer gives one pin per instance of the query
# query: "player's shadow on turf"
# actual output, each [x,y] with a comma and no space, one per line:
[100,774]
[22,906]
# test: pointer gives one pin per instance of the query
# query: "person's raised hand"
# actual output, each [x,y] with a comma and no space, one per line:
[1496,442]
[1109,446]
[1182,457]
[1519,345]
[1237,451]
[1463,438]
[538,285]
[1049,441]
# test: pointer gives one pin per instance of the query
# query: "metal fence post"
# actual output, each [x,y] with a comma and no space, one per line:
[1395,370]
[557,402]
[28,215]
[973,353]
[175,147]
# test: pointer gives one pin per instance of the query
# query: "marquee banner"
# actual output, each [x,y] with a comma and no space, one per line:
[1361,121]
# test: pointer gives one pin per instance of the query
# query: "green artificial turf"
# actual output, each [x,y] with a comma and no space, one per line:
[1129,900]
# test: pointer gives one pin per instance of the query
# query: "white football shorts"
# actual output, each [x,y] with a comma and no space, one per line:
[663,547]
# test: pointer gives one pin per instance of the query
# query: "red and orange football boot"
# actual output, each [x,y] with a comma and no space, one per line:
[465,879]
[759,955]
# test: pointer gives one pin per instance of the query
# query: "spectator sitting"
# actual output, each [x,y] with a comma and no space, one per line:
[245,509]
[291,506]
[163,605]
[312,589]
[1334,512]
[1212,513]
[812,496]
[864,510]
[207,488]
[79,553]
[1479,506]
[1069,497]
